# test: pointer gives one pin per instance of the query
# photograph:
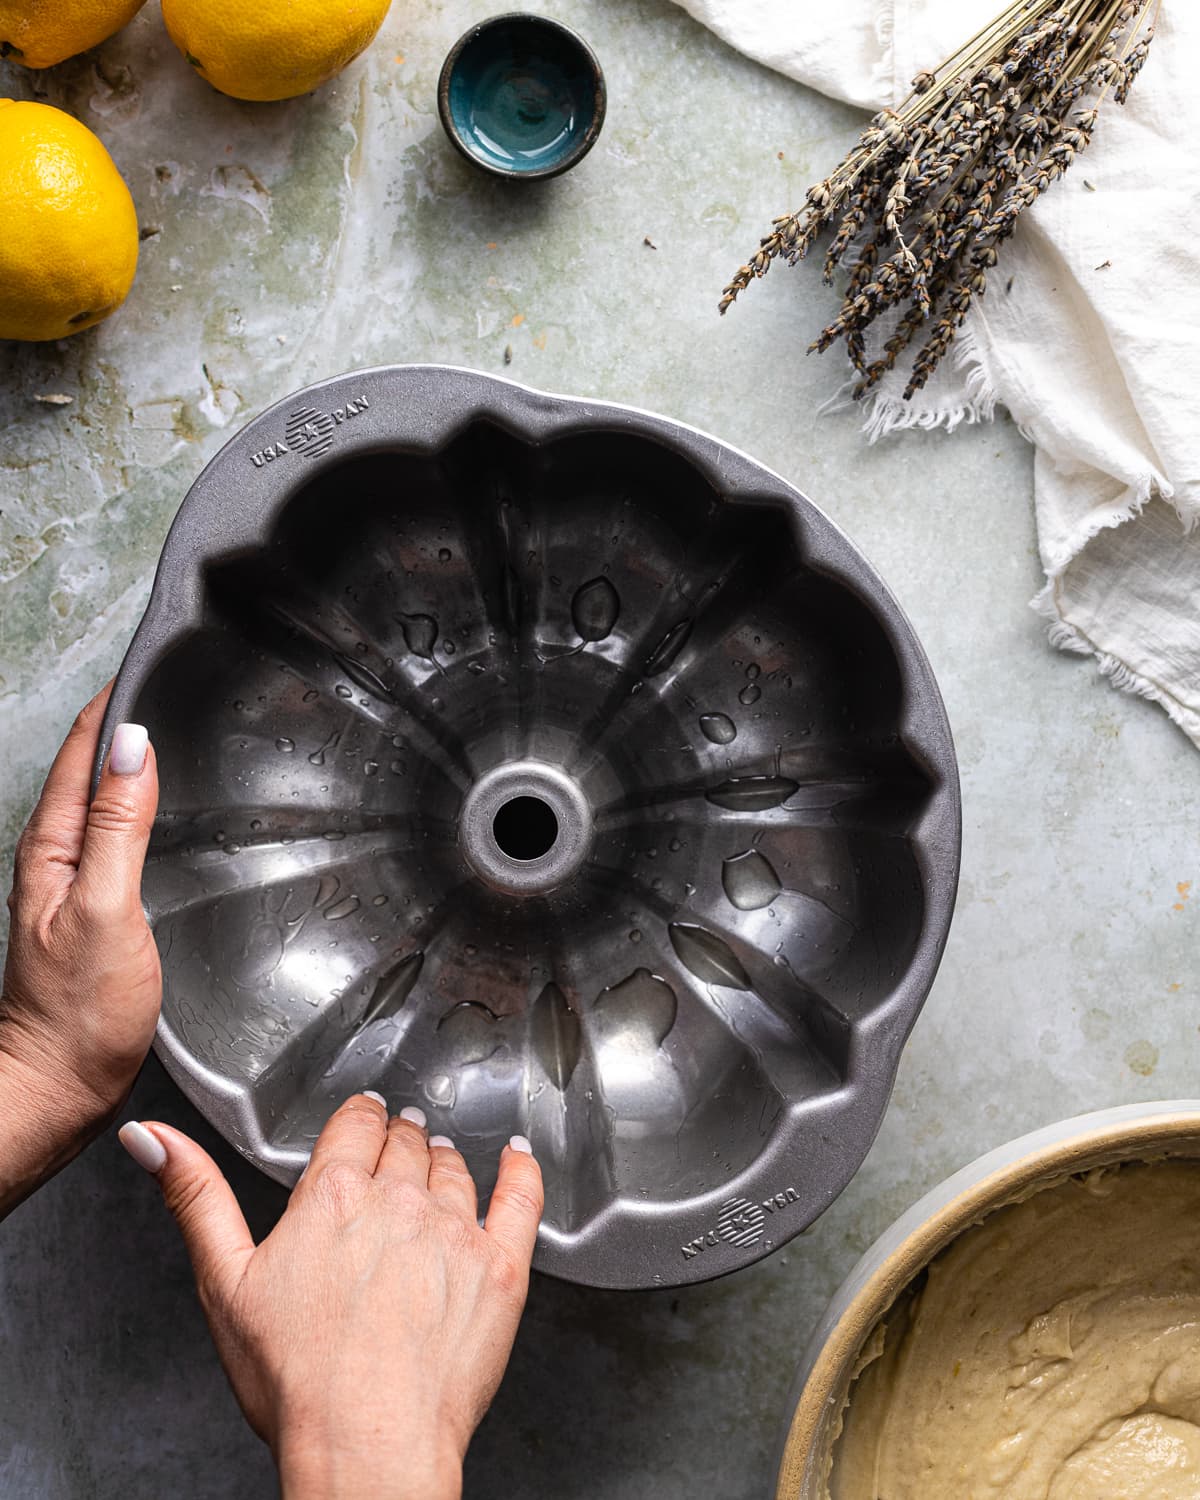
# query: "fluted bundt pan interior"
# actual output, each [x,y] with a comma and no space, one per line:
[555,768]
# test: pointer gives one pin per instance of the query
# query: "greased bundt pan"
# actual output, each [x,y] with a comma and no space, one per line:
[554,767]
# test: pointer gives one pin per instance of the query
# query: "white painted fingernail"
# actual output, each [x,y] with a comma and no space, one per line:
[441,1140]
[143,1145]
[519,1143]
[413,1115]
[378,1098]
[127,755]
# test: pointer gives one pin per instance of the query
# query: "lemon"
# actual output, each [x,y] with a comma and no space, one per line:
[40,33]
[271,49]
[70,242]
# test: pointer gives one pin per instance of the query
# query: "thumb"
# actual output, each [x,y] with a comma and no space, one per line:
[118,823]
[194,1189]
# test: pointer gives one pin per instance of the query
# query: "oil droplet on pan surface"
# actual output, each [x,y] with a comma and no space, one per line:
[643,1005]
[261,955]
[709,957]
[750,880]
[667,649]
[719,728]
[343,908]
[317,758]
[752,793]
[594,609]
[363,677]
[393,988]
[555,1036]
[467,1031]
[440,1091]
[420,634]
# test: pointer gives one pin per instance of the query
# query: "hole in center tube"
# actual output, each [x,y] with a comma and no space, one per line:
[525,828]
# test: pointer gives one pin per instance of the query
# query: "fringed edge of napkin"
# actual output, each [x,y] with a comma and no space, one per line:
[975,401]
[972,397]
[1065,636]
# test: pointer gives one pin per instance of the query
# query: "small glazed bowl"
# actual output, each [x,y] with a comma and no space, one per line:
[1132,1132]
[522,96]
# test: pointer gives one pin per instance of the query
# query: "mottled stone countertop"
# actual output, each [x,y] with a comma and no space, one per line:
[288,242]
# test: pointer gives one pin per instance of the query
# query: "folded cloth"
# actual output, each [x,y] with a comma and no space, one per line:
[1095,346]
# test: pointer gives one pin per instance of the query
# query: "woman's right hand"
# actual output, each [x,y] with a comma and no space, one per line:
[366,1336]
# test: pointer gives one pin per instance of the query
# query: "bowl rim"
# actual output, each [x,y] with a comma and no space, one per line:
[584,142]
[233,504]
[1106,1137]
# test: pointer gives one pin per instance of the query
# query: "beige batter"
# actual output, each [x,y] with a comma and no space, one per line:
[1051,1353]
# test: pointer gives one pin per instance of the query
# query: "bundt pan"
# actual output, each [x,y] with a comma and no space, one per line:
[556,768]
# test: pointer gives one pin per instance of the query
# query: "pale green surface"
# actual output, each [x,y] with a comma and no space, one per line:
[341,230]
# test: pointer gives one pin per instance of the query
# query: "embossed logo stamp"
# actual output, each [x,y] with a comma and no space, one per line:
[309,432]
[740,1223]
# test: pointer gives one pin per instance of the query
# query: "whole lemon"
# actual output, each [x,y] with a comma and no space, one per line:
[40,33]
[70,242]
[272,49]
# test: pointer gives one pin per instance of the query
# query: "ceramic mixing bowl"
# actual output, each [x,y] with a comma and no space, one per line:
[556,768]
[1132,1132]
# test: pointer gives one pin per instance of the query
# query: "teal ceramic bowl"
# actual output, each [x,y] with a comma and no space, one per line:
[522,96]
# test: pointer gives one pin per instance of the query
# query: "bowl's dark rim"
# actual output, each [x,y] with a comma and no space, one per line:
[819,1143]
[582,146]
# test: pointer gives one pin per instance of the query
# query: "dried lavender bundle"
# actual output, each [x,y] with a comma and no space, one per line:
[919,207]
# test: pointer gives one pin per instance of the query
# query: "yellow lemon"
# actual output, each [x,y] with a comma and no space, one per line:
[271,49]
[70,242]
[40,33]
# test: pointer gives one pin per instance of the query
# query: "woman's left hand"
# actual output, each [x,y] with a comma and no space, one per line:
[82,985]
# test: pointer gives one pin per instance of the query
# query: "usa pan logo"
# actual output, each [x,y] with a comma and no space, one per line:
[309,432]
[740,1223]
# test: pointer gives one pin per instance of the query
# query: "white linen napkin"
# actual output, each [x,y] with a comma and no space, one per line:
[1095,349]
